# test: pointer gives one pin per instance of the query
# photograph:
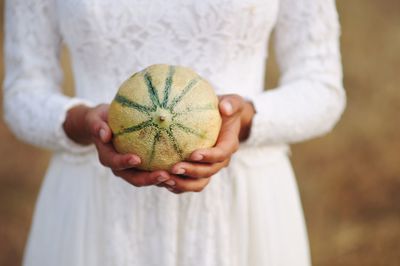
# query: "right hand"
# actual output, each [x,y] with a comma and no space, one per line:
[87,125]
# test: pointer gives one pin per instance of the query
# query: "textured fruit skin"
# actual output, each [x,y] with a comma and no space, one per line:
[163,113]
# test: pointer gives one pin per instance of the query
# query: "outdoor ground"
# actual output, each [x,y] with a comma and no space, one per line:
[349,180]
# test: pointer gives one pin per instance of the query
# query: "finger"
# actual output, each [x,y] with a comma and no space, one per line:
[97,121]
[198,170]
[168,183]
[227,144]
[187,184]
[105,133]
[230,104]
[140,178]
[116,161]
[174,190]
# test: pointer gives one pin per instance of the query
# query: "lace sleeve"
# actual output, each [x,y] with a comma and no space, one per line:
[34,106]
[310,97]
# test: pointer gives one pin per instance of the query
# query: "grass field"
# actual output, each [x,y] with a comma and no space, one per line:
[349,180]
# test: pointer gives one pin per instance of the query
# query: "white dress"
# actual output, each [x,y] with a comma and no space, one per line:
[250,214]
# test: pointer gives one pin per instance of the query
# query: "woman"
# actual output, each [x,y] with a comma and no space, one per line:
[248,211]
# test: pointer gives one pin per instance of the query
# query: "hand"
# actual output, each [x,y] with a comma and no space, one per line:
[237,115]
[89,125]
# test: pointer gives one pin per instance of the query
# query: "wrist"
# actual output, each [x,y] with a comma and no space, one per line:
[75,125]
[246,120]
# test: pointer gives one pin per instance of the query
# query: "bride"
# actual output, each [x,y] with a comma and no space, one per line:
[95,207]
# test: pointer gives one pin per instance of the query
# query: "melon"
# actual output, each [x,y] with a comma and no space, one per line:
[163,113]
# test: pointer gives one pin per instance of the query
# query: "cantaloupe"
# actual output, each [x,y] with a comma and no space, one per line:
[163,113]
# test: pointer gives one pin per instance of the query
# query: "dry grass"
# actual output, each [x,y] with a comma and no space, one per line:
[349,180]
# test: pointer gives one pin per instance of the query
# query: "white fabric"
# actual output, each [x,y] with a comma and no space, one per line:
[250,213]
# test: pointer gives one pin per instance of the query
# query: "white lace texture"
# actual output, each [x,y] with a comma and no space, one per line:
[223,40]
[226,42]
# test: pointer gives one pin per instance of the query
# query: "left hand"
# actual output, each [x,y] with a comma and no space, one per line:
[237,115]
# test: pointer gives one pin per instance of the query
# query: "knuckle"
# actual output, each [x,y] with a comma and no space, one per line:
[198,189]
[115,162]
[239,99]
[195,173]
[88,118]
[136,182]
[201,173]
[102,161]
[236,97]
[121,174]
[93,126]
[116,173]
[93,129]
[179,187]
[222,155]
[207,174]
[141,180]
[220,158]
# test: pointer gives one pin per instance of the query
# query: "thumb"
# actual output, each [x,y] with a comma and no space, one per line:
[98,126]
[105,133]
[229,105]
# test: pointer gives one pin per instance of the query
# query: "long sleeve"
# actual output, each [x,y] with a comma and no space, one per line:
[34,105]
[310,97]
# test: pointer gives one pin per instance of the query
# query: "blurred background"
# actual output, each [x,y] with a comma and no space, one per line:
[349,180]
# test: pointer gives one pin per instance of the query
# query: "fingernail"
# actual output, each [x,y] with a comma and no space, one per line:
[102,134]
[197,157]
[170,182]
[179,171]
[228,107]
[162,178]
[134,161]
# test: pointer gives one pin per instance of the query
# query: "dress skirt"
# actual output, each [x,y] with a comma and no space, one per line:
[249,215]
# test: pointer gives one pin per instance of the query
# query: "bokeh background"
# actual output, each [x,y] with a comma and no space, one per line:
[349,180]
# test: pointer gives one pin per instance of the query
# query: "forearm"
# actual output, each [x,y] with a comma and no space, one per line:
[310,97]
[296,112]
[34,105]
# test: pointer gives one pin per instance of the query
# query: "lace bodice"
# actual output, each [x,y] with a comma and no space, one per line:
[224,40]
